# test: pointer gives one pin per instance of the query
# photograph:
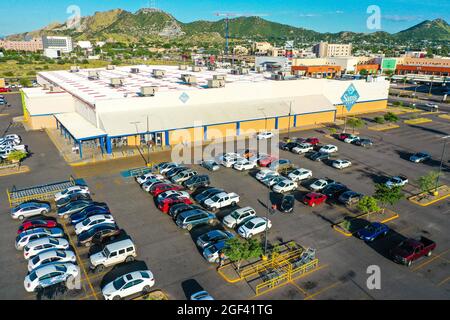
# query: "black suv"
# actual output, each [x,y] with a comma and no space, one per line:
[197,181]
[318,156]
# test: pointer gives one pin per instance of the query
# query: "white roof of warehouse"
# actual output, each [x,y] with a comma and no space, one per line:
[78,126]
[78,84]
[175,117]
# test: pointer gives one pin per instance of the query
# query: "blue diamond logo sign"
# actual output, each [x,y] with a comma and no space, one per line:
[184,97]
[350,97]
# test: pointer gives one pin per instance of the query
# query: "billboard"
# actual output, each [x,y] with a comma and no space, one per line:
[389,64]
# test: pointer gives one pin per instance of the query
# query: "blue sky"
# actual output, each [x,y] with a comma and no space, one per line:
[320,15]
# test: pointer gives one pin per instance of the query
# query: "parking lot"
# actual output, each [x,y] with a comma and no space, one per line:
[171,254]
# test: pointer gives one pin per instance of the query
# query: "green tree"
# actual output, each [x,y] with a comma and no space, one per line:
[428,181]
[391,117]
[238,250]
[24,82]
[16,156]
[387,195]
[355,123]
[368,205]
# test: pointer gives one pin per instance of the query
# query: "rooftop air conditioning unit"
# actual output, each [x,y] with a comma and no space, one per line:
[243,70]
[214,83]
[219,77]
[148,91]
[134,70]
[182,67]
[212,68]
[259,69]
[55,89]
[158,73]
[117,82]
[189,79]
[93,75]
[45,86]
[74,69]
[110,67]
[196,69]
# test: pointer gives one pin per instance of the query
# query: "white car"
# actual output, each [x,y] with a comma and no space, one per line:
[264,135]
[70,191]
[264,173]
[303,148]
[129,284]
[319,185]
[285,186]
[300,174]
[167,167]
[50,275]
[36,247]
[329,148]
[93,221]
[398,181]
[182,194]
[238,216]
[51,257]
[242,165]
[150,183]
[341,164]
[148,176]
[351,139]
[254,226]
[229,160]
[31,235]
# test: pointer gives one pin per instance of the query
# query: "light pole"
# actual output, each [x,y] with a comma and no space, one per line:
[440,166]
[289,124]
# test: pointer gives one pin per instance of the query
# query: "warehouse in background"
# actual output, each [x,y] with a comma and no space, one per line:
[166,105]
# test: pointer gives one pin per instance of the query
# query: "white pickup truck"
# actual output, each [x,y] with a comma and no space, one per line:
[221,200]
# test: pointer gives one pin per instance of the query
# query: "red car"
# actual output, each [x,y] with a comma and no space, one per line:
[163,187]
[165,204]
[38,223]
[266,161]
[312,141]
[343,136]
[5,90]
[312,199]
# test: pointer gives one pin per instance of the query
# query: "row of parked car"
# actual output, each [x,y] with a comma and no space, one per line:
[10,143]
[52,261]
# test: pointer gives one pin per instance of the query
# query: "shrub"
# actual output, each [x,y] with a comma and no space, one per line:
[379,120]
[391,117]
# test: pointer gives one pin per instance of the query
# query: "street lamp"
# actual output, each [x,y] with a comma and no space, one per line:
[289,125]
[440,166]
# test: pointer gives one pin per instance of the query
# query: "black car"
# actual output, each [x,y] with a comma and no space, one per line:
[174,171]
[197,181]
[98,234]
[71,198]
[207,194]
[318,156]
[287,203]
[178,208]
[334,190]
[364,142]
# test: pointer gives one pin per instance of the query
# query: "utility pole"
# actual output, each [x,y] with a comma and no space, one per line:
[148,142]
[289,125]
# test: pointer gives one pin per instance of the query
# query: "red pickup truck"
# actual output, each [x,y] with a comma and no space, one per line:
[411,249]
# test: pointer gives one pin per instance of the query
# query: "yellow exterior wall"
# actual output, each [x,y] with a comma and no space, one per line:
[224,130]
[364,107]
[133,140]
[185,135]
[257,125]
[315,118]
[38,123]
[283,123]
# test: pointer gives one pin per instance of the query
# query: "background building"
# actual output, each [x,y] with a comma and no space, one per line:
[55,47]
[325,49]
[33,45]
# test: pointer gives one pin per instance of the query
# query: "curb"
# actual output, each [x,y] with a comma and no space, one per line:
[384,128]
[429,203]
[349,234]
[13,173]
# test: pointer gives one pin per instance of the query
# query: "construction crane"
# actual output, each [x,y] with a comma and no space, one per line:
[227,16]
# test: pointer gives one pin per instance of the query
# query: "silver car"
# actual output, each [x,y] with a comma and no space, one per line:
[29,209]
[33,234]
[51,257]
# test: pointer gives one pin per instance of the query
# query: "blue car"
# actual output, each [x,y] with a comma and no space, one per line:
[87,212]
[373,231]
[212,237]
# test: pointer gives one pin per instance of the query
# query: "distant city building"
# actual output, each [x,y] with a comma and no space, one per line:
[332,66]
[425,66]
[416,54]
[32,45]
[55,46]
[261,48]
[325,49]
[84,44]
[240,50]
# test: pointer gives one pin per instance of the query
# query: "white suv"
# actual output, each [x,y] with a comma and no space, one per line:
[238,216]
[113,254]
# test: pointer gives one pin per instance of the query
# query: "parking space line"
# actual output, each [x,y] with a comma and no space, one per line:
[80,261]
[299,288]
[429,261]
[443,281]
[322,290]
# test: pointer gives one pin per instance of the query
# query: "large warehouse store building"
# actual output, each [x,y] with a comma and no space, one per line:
[85,106]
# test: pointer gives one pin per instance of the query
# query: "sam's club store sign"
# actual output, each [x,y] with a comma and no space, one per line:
[350,97]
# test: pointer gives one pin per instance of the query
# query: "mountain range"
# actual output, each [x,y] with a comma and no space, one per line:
[121,25]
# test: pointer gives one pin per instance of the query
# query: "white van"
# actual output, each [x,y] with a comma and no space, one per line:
[112,254]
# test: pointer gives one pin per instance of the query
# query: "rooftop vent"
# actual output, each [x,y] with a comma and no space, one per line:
[55,89]
[74,68]
[214,83]
[134,70]
[117,82]
[45,86]
[196,69]
[110,67]
[93,75]
[158,73]
[148,91]
[189,79]
[219,77]
[244,70]
[212,67]
[182,67]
